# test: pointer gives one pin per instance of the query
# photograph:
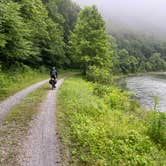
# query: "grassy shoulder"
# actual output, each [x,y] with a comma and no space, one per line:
[16,124]
[17,79]
[101,126]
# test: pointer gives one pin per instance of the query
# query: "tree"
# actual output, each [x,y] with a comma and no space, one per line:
[14,34]
[124,60]
[89,44]
[69,10]
[140,49]
[53,12]
[35,16]
[64,14]
[156,62]
[53,51]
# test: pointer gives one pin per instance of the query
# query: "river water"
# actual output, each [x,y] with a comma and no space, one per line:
[148,87]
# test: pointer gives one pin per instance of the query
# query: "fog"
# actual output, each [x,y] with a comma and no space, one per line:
[141,15]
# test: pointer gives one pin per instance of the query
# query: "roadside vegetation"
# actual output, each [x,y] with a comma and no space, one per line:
[100,125]
[16,124]
[18,78]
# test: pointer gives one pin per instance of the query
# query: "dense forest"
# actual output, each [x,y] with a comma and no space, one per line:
[34,32]
[37,33]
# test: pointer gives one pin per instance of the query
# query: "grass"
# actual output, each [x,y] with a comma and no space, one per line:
[103,130]
[13,81]
[16,124]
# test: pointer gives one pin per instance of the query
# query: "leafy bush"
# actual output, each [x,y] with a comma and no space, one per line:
[114,97]
[101,90]
[118,100]
[99,75]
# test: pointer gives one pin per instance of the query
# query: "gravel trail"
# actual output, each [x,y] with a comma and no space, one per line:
[7,104]
[42,145]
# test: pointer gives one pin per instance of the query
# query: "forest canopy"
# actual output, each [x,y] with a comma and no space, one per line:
[35,32]
[55,32]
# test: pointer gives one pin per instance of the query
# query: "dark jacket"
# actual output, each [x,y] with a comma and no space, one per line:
[53,73]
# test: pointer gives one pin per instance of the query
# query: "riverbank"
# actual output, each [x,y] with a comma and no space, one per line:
[100,125]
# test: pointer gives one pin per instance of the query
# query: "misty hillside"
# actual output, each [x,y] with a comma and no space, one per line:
[140,16]
[138,33]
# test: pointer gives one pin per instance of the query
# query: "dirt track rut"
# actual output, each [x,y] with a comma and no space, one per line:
[42,145]
[7,104]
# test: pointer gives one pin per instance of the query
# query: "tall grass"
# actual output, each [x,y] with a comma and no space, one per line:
[101,130]
[157,128]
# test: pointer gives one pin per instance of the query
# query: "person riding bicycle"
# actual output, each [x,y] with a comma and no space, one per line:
[53,75]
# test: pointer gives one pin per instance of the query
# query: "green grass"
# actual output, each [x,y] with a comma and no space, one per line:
[104,130]
[16,124]
[13,81]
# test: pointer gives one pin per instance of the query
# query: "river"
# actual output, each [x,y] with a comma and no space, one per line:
[147,87]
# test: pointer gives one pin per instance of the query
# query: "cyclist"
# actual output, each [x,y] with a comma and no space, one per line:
[53,75]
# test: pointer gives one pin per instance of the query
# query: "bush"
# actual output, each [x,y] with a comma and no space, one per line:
[101,90]
[99,75]
[118,100]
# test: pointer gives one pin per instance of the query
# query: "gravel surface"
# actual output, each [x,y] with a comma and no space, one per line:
[7,104]
[42,145]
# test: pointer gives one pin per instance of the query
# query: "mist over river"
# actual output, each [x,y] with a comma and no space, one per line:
[148,86]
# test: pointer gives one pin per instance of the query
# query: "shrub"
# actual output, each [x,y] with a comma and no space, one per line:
[99,75]
[118,100]
[101,90]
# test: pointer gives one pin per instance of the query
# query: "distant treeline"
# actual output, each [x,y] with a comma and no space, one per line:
[138,53]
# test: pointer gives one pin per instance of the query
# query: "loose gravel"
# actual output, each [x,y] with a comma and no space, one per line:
[42,144]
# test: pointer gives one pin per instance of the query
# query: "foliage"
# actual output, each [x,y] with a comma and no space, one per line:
[157,127]
[20,77]
[89,44]
[53,52]
[69,10]
[156,63]
[137,53]
[101,90]
[99,131]
[14,34]
[99,75]
[32,32]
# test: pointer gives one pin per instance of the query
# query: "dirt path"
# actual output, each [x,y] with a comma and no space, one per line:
[42,145]
[7,104]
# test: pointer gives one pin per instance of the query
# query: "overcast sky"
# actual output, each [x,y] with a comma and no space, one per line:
[141,14]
